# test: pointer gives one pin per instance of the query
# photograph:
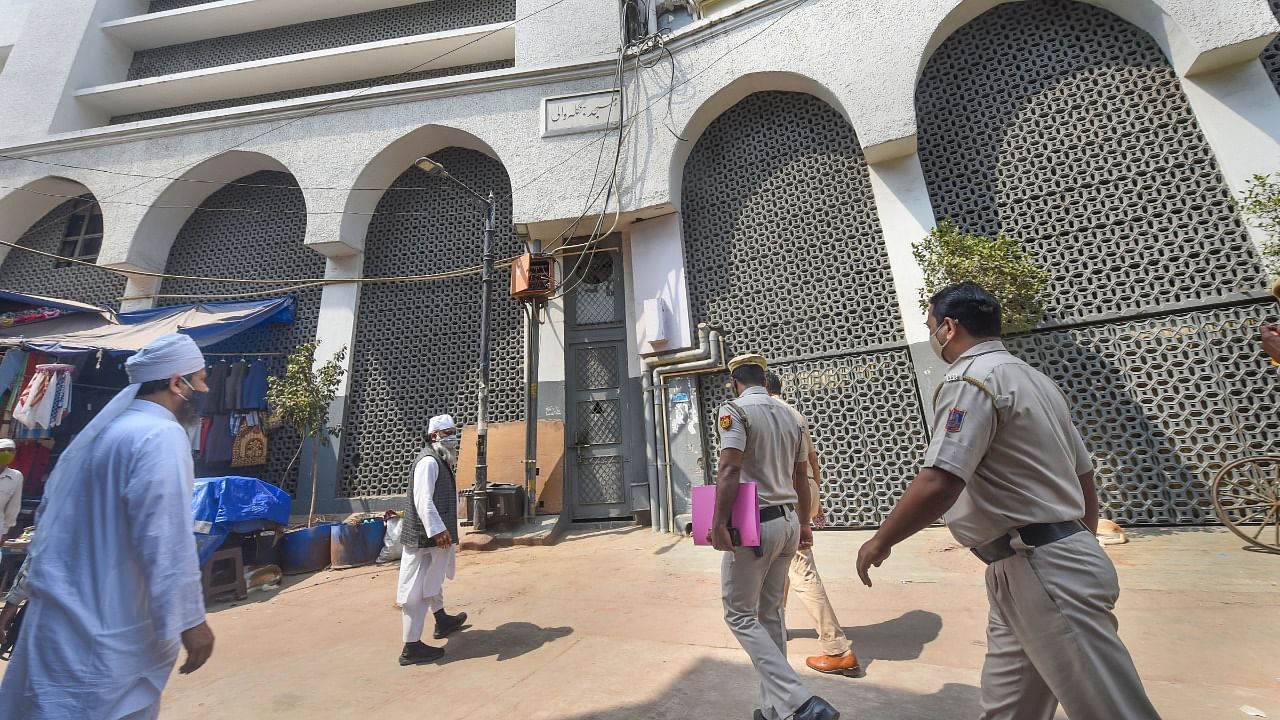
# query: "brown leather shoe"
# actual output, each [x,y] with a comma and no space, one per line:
[846,664]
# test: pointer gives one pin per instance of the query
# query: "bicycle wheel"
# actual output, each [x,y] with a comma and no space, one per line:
[1246,497]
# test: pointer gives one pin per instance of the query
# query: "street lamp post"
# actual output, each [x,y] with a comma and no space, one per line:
[480,496]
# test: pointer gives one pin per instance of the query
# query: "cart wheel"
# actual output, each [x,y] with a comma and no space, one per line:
[1246,496]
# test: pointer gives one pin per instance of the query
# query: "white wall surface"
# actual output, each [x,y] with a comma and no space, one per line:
[862,58]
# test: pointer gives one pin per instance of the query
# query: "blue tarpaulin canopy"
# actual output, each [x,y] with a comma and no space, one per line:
[206,323]
[223,505]
[56,303]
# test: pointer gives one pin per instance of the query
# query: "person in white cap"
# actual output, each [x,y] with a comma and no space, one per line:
[430,538]
[112,581]
[10,489]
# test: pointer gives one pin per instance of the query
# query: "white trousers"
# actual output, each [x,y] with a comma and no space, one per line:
[420,589]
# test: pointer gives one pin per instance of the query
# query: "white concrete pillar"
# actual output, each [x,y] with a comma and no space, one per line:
[1239,112]
[906,216]
[140,292]
[335,327]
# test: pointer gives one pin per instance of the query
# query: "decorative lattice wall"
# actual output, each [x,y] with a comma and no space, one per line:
[163,5]
[317,90]
[1065,128]
[1271,56]
[417,345]
[864,416]
[266,244]
[784,251]
[781,233]
[396,22]
[1164,403]
[30,273]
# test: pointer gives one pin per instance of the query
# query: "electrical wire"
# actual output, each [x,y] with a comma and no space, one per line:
[623,131]
[220,183]
[272,211]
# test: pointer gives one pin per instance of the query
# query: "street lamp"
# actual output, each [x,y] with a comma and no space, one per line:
[480,497]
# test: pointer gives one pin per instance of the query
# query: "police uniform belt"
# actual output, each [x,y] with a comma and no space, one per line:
[1034,535]
[773,512]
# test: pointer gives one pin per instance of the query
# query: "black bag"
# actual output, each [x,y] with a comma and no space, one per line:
[11,638]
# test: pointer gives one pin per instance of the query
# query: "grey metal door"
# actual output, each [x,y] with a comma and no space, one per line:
[596,369]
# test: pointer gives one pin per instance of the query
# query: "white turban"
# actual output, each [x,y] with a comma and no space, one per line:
[440,422]
[165,357]
[162,359]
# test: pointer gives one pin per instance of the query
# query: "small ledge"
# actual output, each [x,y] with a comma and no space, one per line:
[484,43]
[231,17]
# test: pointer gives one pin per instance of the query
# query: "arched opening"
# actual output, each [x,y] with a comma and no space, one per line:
[59,217]
[416,351]
[1065,127]
[252,228]
[784,251]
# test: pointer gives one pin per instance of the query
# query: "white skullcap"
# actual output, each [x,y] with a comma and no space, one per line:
[165,357]
[440,422]
[7,444]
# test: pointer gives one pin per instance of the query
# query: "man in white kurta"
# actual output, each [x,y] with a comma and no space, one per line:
[112,581]
[429,535]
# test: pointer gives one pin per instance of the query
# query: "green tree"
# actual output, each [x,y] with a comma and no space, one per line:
[1261,203]
[301,398]
[950,255]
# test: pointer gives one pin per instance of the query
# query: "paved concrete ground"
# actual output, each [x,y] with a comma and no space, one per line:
[625,625]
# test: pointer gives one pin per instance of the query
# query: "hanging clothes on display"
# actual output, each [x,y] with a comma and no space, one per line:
[12,367]
[232,392]
[217,444]
[46,399]
[254,396]
[216,379]
[33,461]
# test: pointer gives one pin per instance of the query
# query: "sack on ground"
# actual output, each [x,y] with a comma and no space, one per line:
[391,547]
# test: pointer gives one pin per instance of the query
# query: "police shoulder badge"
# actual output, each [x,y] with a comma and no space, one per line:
[955,420]
[726,421]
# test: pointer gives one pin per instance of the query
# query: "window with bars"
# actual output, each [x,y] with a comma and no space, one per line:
[83,237]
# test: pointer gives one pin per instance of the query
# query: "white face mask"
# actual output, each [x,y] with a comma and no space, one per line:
[450,442]
[937,345]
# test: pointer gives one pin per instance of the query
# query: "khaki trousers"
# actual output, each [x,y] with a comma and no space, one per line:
[807,584]
[1052,637]
[753,590]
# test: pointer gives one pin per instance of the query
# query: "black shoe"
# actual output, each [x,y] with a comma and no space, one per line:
[757,715]
[417,653]
[815,708]
[448,624]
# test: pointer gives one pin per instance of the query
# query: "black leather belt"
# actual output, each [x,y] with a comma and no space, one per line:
[1034,535]
[773,512]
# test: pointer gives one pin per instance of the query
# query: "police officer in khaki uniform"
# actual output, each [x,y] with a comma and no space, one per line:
[1015,482]
[837,656]
[762,442]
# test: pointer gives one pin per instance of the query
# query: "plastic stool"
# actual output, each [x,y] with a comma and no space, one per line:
[235,558]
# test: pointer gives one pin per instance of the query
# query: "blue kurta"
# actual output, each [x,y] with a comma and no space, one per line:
[116,581]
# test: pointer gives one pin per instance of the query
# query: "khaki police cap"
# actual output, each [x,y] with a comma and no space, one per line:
[748,359]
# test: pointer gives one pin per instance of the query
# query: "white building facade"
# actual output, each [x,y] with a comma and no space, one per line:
[775,162]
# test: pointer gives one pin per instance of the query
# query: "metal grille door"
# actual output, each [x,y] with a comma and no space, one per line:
[597,418]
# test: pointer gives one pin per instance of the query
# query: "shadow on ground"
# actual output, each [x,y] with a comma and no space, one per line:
[902,638]
[507,641]
[719,690]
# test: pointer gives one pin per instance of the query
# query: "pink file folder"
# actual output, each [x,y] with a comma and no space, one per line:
[746,513]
